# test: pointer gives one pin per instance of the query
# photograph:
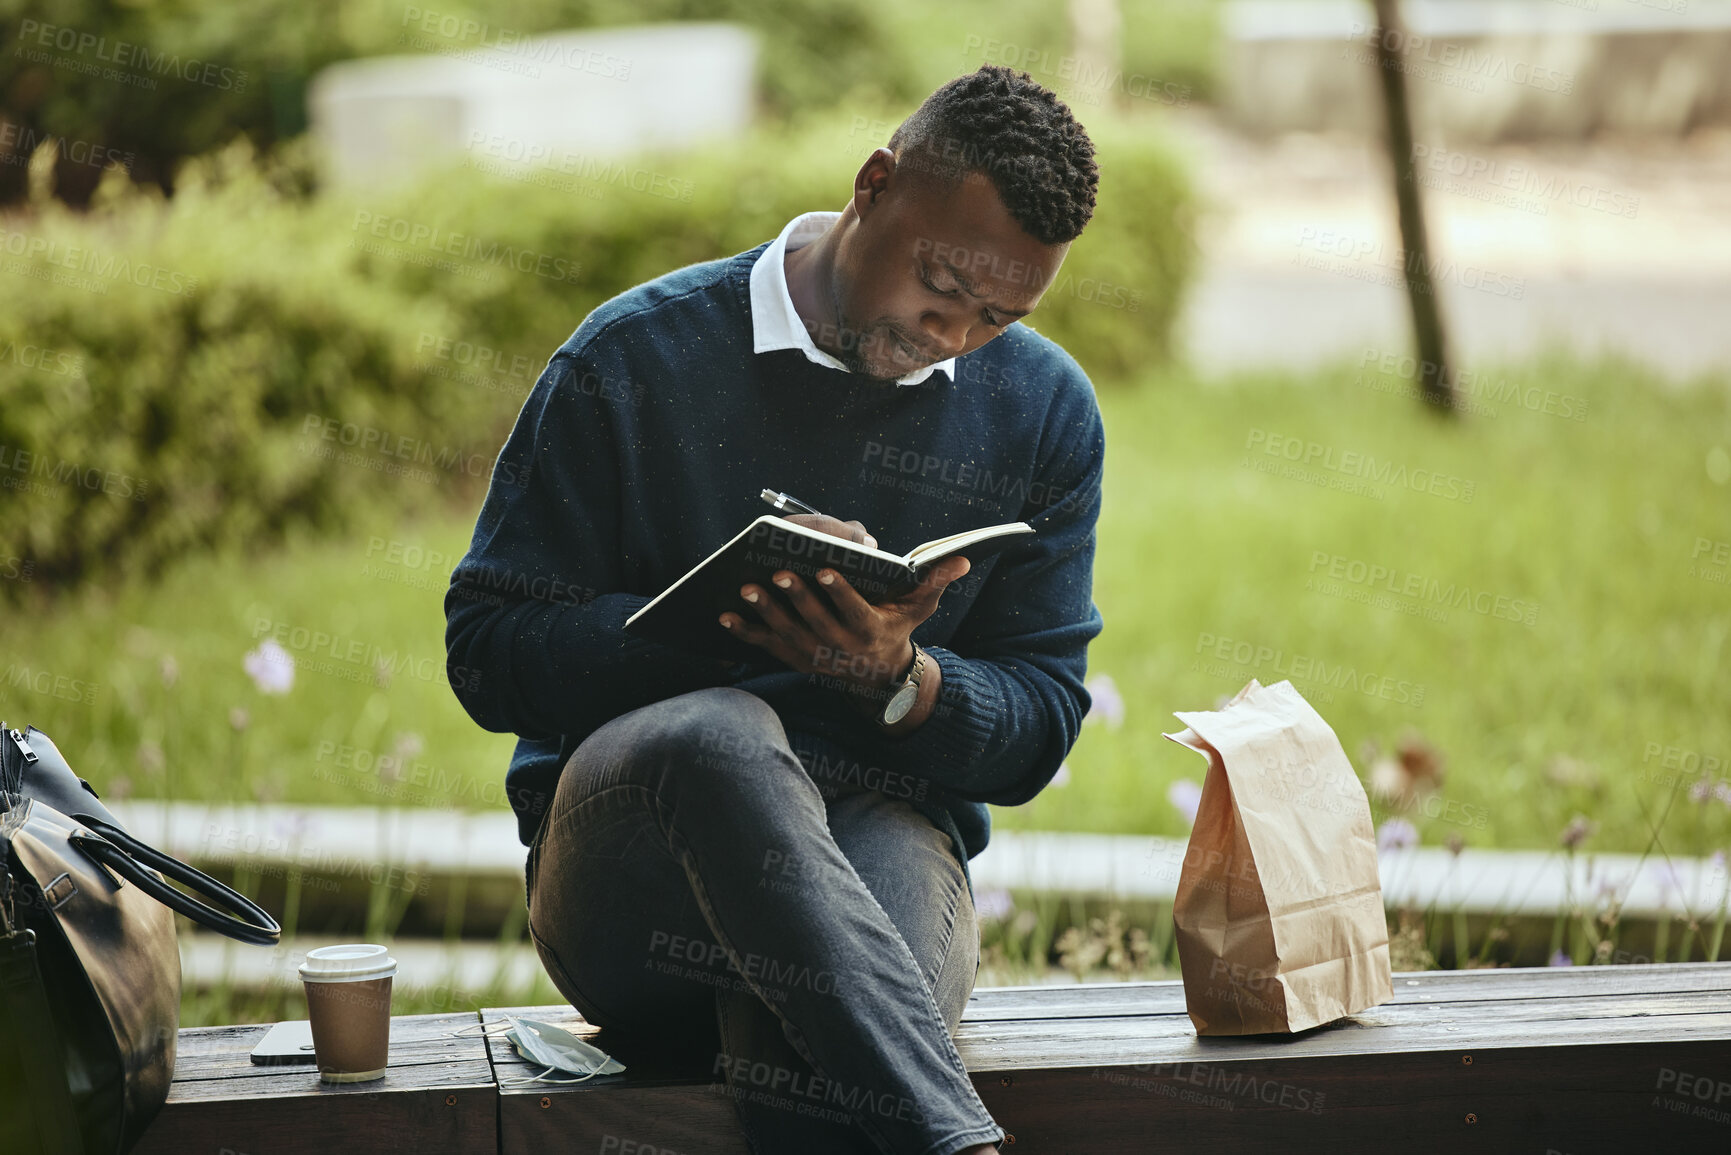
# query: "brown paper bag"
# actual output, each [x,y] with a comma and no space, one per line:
[1279,915]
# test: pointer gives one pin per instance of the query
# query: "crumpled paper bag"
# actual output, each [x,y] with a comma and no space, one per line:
[1278,915]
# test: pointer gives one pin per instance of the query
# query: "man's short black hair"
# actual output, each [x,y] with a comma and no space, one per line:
[1004,124]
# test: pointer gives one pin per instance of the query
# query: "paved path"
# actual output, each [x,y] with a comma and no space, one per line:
[1621,246]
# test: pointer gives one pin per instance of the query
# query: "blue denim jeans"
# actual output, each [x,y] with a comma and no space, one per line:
[697,896]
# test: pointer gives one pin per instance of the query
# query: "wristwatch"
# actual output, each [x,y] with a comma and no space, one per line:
[905,695]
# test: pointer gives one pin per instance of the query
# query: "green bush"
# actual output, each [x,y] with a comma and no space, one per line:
[1174,42]
[232,360]
[1113,304]
[161,368]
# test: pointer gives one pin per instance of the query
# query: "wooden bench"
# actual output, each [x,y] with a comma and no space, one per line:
[1569,1060]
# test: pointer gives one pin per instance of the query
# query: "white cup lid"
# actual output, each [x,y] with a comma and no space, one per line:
[348,963]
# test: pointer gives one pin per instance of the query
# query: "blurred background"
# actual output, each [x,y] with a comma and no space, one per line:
[275,280]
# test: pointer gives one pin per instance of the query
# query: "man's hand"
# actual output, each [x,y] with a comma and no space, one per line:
[863,645]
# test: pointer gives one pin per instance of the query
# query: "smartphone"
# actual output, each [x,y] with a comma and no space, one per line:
[290,1042]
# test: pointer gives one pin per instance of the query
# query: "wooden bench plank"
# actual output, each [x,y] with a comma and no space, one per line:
[1119,1042]
[1564,1057]
[437,1098]
[1108,999]
[1567,1060]
[1573,1100]
[657,1109]
[221,1052]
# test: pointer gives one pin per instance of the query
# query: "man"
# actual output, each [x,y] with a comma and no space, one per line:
[762,866]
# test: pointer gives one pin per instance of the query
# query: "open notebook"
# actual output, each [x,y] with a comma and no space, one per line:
[685,613]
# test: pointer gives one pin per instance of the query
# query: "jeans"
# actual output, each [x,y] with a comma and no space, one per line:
[693,893]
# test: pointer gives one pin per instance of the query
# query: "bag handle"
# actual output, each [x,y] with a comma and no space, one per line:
[119,851]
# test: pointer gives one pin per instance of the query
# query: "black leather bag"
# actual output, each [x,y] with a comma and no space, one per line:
[89,966]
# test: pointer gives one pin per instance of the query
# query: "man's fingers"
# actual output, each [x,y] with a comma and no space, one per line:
[757,635]
[775,618]
[923,598]
[950,569]
[817,617]
[854,611]
[799,640]
[834,526]
[860,535]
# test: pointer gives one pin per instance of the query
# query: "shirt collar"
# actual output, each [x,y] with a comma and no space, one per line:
[775,323]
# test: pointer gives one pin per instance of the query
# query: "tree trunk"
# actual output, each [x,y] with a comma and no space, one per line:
[1436,382]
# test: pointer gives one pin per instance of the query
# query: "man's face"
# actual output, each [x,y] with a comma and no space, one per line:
[934,269]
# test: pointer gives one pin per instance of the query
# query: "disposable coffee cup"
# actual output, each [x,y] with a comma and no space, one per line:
[348,991]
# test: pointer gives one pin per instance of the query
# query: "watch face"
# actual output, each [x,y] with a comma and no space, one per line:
[901,704]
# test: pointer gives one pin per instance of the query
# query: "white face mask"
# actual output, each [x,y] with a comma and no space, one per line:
[559,1050]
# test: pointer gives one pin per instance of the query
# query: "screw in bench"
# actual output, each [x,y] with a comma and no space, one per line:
[1005,1080]
[450,1100]
[546,1101]
[1472,1118]
[1466,1060]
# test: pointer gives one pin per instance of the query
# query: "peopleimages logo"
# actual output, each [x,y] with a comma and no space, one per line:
[1362,467]
[34,35]
[1367,259]
[105,266]
[21,142]
[1473,391]
[1453,64]
[525,50]
[1432,164]
[1399,585]
[373,447]
[1227,657]
[463,246]
[892,465]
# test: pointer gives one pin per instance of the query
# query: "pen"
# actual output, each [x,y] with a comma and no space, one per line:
[784,503]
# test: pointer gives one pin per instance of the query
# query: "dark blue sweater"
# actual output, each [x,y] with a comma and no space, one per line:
[643,447]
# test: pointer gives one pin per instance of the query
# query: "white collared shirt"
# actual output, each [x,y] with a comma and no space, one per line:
[776,324]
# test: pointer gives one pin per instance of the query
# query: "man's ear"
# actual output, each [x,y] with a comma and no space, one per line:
[873,180]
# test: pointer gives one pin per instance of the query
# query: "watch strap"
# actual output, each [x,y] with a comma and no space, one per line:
[916,670]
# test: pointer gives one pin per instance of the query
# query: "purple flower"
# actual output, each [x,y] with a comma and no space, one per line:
[1579,829]
[1062,776]
[1107,702]
[293,827]
[1670,882]
[1561,960]
[271,668]
[1396,834]
[1185,795]
[1608,887]
[993,902]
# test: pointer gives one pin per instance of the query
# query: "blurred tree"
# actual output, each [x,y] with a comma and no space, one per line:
[1435,387]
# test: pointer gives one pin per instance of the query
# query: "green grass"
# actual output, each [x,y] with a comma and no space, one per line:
[320,743]
[1592,521]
